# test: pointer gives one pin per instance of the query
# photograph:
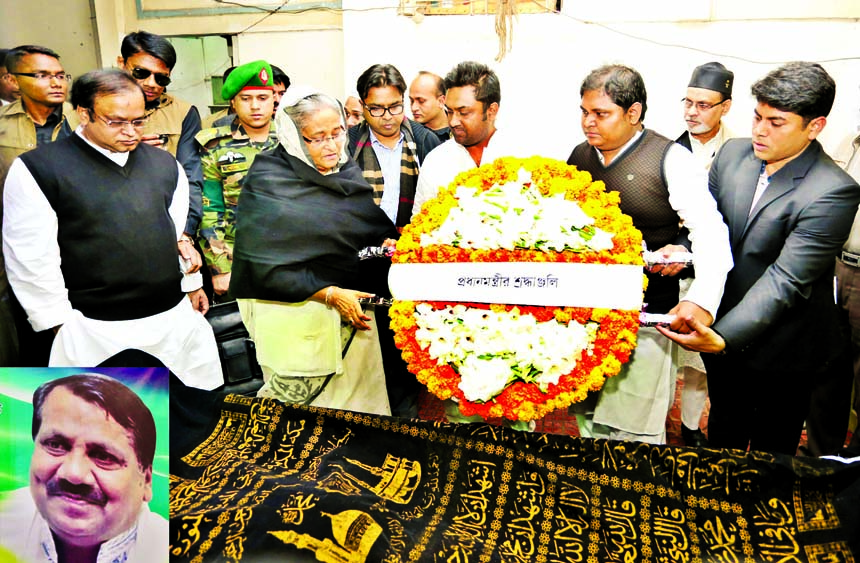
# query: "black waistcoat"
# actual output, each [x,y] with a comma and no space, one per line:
[117,240]
[637,175]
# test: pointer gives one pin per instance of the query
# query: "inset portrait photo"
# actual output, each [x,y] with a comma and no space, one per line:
[84,465]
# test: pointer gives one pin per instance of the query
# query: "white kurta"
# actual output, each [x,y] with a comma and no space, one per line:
[695,390]
[639,397]
[704,152]
[450,158]
[180,337]
[26,535]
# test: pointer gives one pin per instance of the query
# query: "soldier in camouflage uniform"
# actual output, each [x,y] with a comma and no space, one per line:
[228,152]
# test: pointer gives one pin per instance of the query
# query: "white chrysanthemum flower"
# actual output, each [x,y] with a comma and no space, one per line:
[529,350]
[481,380]
[524,176]
[515,215]
[601,241]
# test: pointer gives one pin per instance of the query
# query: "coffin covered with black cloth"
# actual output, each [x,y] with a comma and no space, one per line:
[274,482]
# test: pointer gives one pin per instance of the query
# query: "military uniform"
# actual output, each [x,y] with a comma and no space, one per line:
[227,155]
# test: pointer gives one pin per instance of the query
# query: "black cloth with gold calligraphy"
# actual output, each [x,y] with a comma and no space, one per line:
[276,482]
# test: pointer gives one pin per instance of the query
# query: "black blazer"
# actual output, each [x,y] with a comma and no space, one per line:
[778,308]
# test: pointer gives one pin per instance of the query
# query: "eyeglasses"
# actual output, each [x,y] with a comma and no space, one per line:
[377,111]
[45,75]
[144,73]
[119,125]
[317,143]
[701,106]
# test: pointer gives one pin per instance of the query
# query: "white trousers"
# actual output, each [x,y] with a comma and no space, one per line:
[180,337]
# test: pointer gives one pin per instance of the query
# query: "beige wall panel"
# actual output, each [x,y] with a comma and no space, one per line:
[637,11]
[66,27]
[313,57]
[710,10]
[189,5]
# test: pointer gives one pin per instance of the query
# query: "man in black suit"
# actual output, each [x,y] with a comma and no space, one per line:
[789,209]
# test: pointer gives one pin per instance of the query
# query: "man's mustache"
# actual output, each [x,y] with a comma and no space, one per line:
[61,488]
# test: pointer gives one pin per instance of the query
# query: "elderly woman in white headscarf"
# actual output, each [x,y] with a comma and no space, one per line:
[305,213]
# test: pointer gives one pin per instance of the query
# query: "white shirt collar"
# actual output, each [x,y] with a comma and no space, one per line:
[114,550]
[374,140]
[120,158]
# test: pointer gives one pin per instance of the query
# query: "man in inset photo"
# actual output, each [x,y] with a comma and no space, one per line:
[90,478]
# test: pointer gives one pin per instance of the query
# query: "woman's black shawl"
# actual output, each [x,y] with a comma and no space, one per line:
[299,231]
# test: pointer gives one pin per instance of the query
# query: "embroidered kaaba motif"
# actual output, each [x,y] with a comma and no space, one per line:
[275,482]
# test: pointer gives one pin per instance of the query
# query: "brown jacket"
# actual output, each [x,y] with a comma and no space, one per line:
[167,118]
[180,121]
[18,133]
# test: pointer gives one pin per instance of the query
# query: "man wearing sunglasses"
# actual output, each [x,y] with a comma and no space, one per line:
[39,117]
[150,59]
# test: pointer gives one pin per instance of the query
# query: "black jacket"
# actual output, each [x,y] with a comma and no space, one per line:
[425,139]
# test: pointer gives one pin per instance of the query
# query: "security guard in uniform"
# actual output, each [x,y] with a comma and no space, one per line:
[40,116]
[171,123]
[227,154]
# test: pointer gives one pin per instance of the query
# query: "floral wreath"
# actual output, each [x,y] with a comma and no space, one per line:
[612,332]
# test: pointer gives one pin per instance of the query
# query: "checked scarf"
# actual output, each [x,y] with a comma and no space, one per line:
[366,159]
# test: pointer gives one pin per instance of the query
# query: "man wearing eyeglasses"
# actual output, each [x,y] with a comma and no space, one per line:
[389,149]
[90,237]
[228,152]
[789,209]
[150,59]
[660,186]
[39,117]
[708,100]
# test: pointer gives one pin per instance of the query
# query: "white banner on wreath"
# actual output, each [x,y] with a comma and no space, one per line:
[608,286]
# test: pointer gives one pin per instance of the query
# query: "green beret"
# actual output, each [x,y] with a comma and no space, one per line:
[257,74]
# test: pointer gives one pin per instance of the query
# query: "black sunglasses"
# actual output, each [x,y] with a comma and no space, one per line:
[142,74]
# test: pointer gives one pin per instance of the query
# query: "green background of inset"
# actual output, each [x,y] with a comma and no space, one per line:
[16,416]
